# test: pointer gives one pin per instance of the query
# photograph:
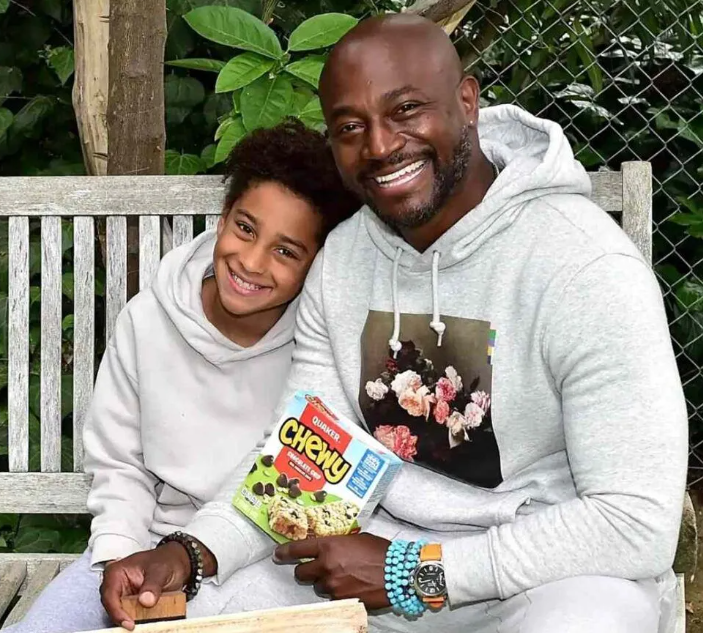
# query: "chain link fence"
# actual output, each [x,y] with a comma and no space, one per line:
[625,80]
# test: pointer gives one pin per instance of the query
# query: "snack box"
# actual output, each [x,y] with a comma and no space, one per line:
[317,475]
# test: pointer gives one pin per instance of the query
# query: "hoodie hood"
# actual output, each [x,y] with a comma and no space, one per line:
[534,159]
[178,289]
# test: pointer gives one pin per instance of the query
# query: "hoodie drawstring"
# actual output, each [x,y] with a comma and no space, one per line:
[436,324]
[394,342]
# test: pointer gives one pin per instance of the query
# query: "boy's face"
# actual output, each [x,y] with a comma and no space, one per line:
[265,246]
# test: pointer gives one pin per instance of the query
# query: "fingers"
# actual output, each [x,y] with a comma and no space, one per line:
[310,572]
[297,550]
[114,587]
[156,577]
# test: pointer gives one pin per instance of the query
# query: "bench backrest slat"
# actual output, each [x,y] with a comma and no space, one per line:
[153,199]
[83,327]
[18,344]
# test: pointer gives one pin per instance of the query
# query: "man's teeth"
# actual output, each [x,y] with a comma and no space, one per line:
[404,174]
[245,284]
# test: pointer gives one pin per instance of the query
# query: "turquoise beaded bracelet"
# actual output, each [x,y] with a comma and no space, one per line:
[402,559]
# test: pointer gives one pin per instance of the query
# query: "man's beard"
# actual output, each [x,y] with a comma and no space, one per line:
[446,179]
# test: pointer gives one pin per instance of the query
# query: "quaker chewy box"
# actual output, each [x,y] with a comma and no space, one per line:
[317,475]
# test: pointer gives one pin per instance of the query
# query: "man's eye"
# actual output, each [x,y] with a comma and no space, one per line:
[407,107]
[348,128]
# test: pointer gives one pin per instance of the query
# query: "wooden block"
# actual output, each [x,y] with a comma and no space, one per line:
[343,616]
[171,606]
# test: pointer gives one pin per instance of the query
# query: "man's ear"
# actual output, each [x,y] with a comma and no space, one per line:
[469,93]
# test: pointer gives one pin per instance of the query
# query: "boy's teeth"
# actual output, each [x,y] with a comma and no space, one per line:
[245,284]
[413,167]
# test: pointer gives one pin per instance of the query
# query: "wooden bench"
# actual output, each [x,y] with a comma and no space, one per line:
[627,194]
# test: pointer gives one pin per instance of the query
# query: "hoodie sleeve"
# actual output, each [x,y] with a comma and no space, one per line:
[234,541]
[122,497]
[608,348]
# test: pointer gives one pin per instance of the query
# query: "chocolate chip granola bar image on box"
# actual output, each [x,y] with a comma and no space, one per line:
[317,475]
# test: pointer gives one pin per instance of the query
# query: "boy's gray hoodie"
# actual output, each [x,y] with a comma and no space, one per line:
[522,363]
[176,407]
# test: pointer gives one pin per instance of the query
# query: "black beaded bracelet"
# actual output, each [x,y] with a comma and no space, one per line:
[195,556]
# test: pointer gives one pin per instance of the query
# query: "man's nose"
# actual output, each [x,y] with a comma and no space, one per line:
[381,142]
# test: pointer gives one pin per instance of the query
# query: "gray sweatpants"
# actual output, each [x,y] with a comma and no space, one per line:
[585,604]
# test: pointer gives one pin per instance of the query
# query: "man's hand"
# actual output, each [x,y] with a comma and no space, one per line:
[149,573]
[344,566]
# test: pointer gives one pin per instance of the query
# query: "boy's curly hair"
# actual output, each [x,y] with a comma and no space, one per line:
[298,158]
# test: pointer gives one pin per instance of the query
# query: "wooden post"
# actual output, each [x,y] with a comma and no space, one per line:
[135,116]
[90,89]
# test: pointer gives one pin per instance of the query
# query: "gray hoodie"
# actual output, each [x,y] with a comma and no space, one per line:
[176,406]
[521,365]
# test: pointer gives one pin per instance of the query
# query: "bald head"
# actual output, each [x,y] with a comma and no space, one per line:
[410,38]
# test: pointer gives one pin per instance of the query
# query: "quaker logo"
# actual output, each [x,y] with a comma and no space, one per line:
[433,405]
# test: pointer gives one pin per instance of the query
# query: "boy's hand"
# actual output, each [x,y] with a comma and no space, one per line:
[149,573]
[344,566]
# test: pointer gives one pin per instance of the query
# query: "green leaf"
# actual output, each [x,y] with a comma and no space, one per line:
[208,65]
[266,102]
[29,117]
[10,81]
[208,156]
[182,94]
[61,60]
[67,323]
[5,120]
[308,69]
[178,164]
[237,101]
[242,70]
[235,28]
[312,115]
[4,5]
[301,98]
[67,285]
[219,133]
[321,31]
[233,134]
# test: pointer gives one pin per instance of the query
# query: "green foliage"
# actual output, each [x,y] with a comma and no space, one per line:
[272,86]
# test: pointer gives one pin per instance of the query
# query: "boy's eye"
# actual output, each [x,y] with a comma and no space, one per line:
[245,228]
[286,252]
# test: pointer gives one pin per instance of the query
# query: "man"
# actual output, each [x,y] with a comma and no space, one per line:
[548,459]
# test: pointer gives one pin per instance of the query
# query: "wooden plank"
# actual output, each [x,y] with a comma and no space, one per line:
[211,222]
[31,563]
[606,190]
[83,328]
[149,248]
[18,345]
[50,402]
[12,574]
[44,493]
[111,195]
[182,230]
[170,606]
[343,616]
[44,574]
[637,205]
[116,274]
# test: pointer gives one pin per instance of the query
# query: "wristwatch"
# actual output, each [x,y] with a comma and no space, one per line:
[430,584]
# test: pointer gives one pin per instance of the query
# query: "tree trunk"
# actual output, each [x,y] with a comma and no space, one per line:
[90,89]
[439,10]
[135,116]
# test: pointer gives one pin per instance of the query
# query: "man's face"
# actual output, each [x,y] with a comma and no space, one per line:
[398,130]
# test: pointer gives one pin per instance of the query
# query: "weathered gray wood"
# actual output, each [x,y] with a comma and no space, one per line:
[12,574]
[44,574]
[637,205]
[83,328]
[116,274]
[111,195]
[50,404]
[211,221]
[680,623]
[43,493]
[149,248]
[18,348]
[182,230]
[31,562]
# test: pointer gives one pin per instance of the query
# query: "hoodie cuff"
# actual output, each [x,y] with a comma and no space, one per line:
[107,547]
[468,570]
[228,543]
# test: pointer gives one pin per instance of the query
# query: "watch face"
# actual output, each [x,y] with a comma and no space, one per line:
[429,580]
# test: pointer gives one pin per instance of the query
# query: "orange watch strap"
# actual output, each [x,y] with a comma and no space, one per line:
[432,551]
